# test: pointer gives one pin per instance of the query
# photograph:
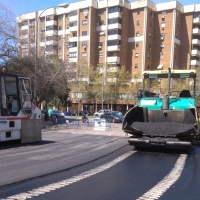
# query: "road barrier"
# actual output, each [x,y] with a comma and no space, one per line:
[101,124]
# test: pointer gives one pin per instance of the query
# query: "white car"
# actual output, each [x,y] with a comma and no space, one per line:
[101,112]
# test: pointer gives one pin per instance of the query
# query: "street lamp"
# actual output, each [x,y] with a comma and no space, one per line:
[103,74]
[36,37]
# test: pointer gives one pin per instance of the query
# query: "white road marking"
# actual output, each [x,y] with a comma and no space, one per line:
[159,189]
[54,186]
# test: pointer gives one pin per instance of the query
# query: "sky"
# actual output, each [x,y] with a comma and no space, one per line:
[20,7]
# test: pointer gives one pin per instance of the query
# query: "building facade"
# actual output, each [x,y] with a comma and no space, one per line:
[141,35]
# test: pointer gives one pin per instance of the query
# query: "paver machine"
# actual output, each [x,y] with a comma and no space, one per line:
[166,120]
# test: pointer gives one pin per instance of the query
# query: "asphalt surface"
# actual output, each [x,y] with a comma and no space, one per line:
[52,168]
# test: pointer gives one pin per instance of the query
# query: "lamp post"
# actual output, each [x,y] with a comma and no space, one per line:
[103,74]
[36,37]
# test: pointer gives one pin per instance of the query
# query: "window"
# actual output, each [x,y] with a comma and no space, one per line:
[162,36]
[162,46]
[138,22]
[72,24]
[84,22]
[100,23]
[177,14]
[113,42]
[100,44]
[114,32]
[84,44]
[163,24]
[49,17]
[51,28]
[100,12]
[161,56]
[49,38]
[59,48]
[138,12]
[164,14]
[149,46]
[150,23]
[42,19]
[84,33]
[73,54]
[137,34]
[136,55]
[114,9]
[32,32]
[136,66]
[42,30]
[137,44]
[74,34]
[84,54]
[24,23]
[101,33]
[60,17]
[60,28]
[151,14]
[100,55]
[73,13]
[25,32]
[43,39]
[85,12]
[73,44]
[114,21]
[32,21]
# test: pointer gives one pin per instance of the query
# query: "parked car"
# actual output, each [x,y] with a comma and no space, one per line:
[57,114]
[101,112]
[113,116]
[68,113]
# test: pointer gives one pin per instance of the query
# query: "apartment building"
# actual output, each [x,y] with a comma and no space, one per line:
[141,35]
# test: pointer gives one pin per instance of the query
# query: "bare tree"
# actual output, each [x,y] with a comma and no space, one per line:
[8,34]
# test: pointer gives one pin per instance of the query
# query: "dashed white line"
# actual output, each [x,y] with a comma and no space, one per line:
[54,186]
[159,189]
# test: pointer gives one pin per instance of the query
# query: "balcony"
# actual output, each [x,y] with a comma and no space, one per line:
[195,53]
[73,28]
[52,32]
[73,39]
[114,37]
[196,31]
[196,42]
[115,15]
[73,49]
[196,20]
[195,62]
[113,59]
[51,22]
[73,18]
[114,48]
[114,26]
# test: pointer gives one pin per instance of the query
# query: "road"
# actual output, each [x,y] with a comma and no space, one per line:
[86,164]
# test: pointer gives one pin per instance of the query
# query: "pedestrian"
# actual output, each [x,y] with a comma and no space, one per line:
[56,123]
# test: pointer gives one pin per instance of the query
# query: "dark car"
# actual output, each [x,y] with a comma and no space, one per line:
[69,113]
[113,116]
[57,114]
